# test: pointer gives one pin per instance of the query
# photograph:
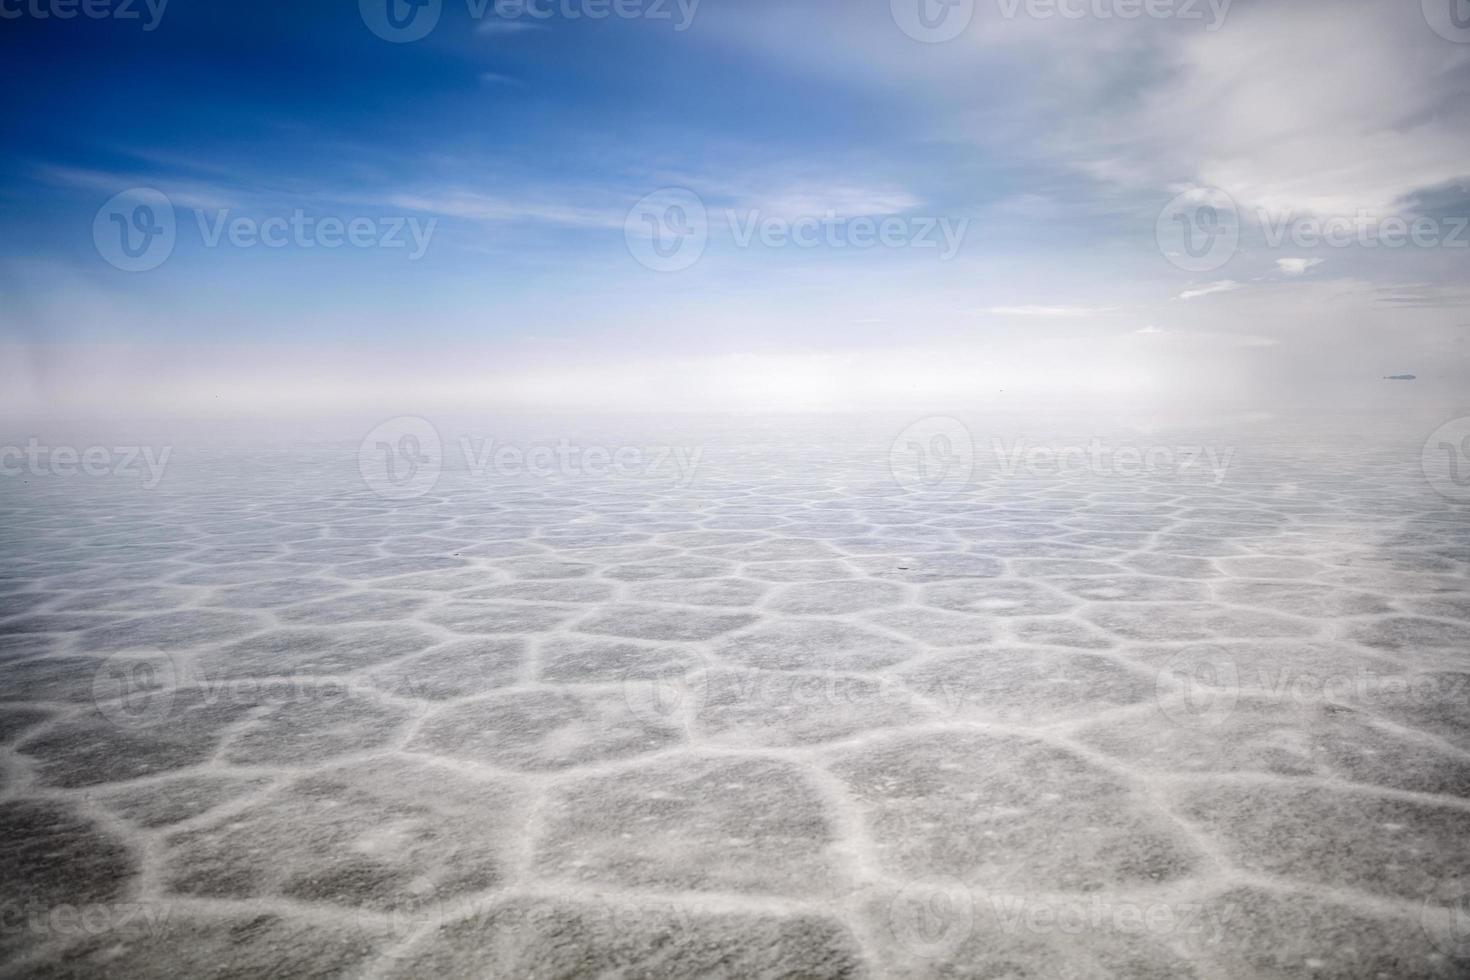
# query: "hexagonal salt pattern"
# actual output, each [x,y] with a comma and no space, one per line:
[787,719]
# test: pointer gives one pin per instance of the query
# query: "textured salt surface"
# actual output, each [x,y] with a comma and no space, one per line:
[790,719]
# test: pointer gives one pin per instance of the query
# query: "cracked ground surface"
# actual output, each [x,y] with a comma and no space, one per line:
[792,717]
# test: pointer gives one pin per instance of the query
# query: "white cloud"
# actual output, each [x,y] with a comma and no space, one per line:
[1148,104]
[1297,267]
[1223,286]
[1241,110]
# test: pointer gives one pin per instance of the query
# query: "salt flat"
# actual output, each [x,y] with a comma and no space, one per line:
[810,707]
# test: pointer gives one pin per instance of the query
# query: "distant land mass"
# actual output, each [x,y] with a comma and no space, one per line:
[1399,377]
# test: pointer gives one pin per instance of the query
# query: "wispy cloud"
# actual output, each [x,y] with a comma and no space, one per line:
[496,78]
[473,206]
[1050,311]
[1223,286]
[182,192]
[1424,296]
[499,27]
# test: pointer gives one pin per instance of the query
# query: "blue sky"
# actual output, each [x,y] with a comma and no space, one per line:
[1055,143]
